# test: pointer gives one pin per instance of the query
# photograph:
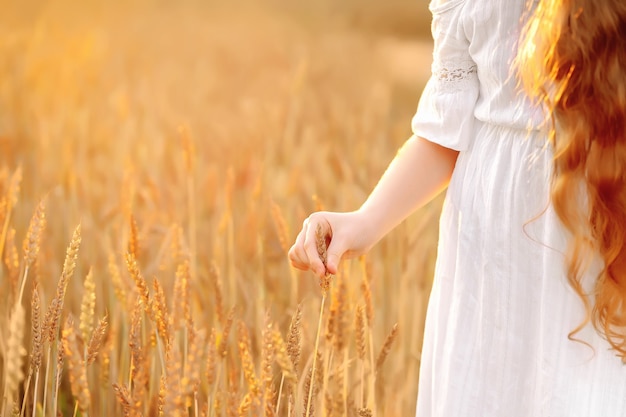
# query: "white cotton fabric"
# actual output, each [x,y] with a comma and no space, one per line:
[496,341]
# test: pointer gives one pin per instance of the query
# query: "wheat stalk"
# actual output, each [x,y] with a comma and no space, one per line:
[189,153]
[294,341]
[192,367]
[222,351]
[218,291]
[340,332]
[181,312]
[140,282]
[87,307]
[32,242]
[137,372]
[78,371]
[285,363]
[69,265]
[133,240]
[162,394]
[324,285]
[37,344]
[57,377]
[369,314]
[267,359]
[360,332]
[53,314]
[12,262]
[119,286]
[13,374]
[247,363]
[360,347]
[311,388]
[282,230]
[294,350]
[177,249]
[228,324]
[48,320]
[10,202]
[174,402]
[309,409]
[211,359]
[340,337]
[161,317]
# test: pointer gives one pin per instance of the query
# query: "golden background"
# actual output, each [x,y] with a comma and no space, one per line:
[203,133]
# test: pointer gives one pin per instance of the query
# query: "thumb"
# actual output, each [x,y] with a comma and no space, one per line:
[334,254]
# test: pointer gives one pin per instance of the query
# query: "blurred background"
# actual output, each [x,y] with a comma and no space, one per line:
[207,130]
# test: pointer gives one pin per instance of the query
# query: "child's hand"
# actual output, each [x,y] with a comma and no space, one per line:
[346,236]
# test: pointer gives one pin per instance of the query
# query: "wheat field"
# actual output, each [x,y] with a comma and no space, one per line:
[157,160]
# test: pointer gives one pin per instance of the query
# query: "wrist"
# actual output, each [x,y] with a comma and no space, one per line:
[372,223]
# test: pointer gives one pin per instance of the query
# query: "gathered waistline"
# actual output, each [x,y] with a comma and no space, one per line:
[527,128]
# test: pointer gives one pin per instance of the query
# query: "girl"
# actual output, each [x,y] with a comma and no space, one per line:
[527,315]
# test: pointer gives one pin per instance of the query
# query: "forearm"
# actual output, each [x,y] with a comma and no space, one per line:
[419,172]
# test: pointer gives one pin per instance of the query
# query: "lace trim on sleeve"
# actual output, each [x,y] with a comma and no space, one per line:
[454,76]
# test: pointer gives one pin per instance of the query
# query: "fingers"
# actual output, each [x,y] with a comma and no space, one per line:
[338,248]
[334,254]
[296,254]
[303,254]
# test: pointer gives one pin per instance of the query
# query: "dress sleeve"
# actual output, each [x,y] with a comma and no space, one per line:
[445,114]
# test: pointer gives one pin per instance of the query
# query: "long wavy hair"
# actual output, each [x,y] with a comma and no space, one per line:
[572,59]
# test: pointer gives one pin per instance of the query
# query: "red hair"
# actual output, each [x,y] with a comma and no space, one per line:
[572,58]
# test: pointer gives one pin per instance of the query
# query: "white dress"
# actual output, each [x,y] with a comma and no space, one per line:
[496,341]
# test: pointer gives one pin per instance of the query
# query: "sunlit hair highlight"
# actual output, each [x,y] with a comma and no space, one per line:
[572,59]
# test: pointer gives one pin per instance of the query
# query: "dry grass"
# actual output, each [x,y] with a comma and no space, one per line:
[188,140]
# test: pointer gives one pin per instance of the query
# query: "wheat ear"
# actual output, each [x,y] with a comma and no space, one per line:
[282,230]
[294,350]
[173,402]
[386,347]
[78,371]
[123,396]
[87,307]
[12,262]
[211,359]
[247,363]
[32,242]
[97,337]
[222,351]
[162,320]
[133,240]
[11,201]
[267,359]
[191,370]
[140,282]
[119,286]
[219,293]
[244,406]
[285,363]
